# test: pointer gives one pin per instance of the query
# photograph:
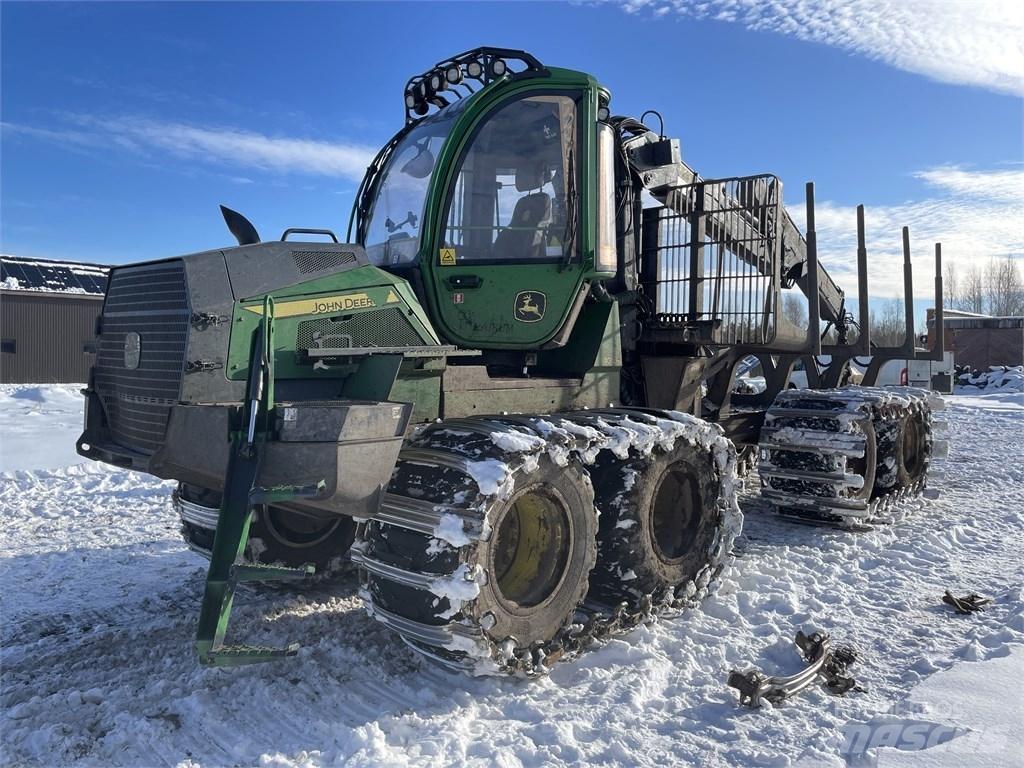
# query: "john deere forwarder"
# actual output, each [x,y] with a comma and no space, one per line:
[511,398]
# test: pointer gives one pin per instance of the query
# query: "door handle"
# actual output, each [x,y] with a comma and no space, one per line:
[464,281]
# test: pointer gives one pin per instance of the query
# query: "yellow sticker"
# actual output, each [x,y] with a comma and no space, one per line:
[447,257]
[392,298]
[323,306]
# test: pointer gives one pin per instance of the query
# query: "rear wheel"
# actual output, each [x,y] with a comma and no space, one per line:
[912,449]
[865,466]
[276,535]
[659,521]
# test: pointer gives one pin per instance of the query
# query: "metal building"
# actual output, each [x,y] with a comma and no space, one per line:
[980,341]
[48,312]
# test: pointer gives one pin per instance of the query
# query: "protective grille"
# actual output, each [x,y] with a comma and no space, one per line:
[382,328]
[317,261]
[151,301]
[711,259]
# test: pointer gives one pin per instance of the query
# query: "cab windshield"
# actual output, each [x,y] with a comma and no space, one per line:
[393,232]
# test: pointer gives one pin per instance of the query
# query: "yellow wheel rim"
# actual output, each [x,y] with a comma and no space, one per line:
[531,548]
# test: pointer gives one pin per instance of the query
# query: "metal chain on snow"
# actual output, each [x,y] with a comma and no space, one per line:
[575,637]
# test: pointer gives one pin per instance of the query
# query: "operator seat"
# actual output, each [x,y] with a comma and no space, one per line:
[526,232]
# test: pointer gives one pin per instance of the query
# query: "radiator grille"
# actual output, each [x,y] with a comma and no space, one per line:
[317,261]
[151,301]
[382,328]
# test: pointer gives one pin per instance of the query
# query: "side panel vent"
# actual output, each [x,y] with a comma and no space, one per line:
[381,328]
[318,261]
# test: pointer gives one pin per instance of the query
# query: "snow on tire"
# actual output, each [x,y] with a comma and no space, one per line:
[659,517]
[846,456]
[509,558]
[441,561]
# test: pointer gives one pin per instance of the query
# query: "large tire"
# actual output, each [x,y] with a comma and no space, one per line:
[865,466]
[905,451]
[660,515]
[914,454]
[526,578]
[480,555]
[279,536]
[807,433]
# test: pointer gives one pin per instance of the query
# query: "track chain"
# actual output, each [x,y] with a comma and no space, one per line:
[812,439]
[438,489]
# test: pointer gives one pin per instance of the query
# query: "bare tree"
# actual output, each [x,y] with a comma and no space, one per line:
[973,296]
[950,287]
[1003,287]
[888,324]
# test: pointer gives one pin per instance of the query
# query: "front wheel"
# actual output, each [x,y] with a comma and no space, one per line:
[511,589]
[277,536]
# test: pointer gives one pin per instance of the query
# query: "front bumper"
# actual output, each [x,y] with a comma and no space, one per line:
[351,445]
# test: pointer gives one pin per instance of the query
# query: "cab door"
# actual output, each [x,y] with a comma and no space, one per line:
[506,261]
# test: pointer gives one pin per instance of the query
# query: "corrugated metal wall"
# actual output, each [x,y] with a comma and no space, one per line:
[50,333]
[981,347]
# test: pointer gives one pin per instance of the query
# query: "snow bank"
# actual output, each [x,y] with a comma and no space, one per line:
[39,425]
[996,379]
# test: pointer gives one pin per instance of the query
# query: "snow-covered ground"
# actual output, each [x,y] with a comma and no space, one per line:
[99,602]
[39,426]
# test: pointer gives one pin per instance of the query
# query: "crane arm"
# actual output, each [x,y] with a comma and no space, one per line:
[658,165]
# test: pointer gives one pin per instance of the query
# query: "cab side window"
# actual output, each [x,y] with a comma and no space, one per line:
[515,196]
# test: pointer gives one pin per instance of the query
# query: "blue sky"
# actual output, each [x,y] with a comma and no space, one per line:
[125,125]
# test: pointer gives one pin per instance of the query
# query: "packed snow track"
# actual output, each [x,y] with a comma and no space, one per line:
[100,597]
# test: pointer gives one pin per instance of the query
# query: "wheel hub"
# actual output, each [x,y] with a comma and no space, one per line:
[676,513]
[531,548]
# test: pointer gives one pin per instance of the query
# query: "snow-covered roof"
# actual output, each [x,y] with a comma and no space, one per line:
[18,273]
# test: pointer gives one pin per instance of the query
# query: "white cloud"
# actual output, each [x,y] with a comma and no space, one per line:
[976,215]
[966,42]
[223,146]
[1007,185]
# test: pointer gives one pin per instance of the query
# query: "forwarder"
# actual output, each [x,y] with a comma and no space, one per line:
[511,397]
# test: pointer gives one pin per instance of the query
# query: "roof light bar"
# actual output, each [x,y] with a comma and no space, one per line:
[485,65]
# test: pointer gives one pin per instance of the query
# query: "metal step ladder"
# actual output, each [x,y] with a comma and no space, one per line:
[228,567]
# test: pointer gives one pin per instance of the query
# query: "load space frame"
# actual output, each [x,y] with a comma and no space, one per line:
[715,257]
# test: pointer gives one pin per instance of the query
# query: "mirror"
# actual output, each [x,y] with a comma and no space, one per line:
[420,166]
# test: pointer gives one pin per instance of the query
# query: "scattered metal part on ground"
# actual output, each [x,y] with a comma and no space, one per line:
[825,662]
[967,604]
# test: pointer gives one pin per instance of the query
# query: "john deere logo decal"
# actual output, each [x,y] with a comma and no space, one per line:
[530,306]
[328,305]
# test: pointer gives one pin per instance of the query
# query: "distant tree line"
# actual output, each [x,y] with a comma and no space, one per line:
[996,288]
[887,320]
